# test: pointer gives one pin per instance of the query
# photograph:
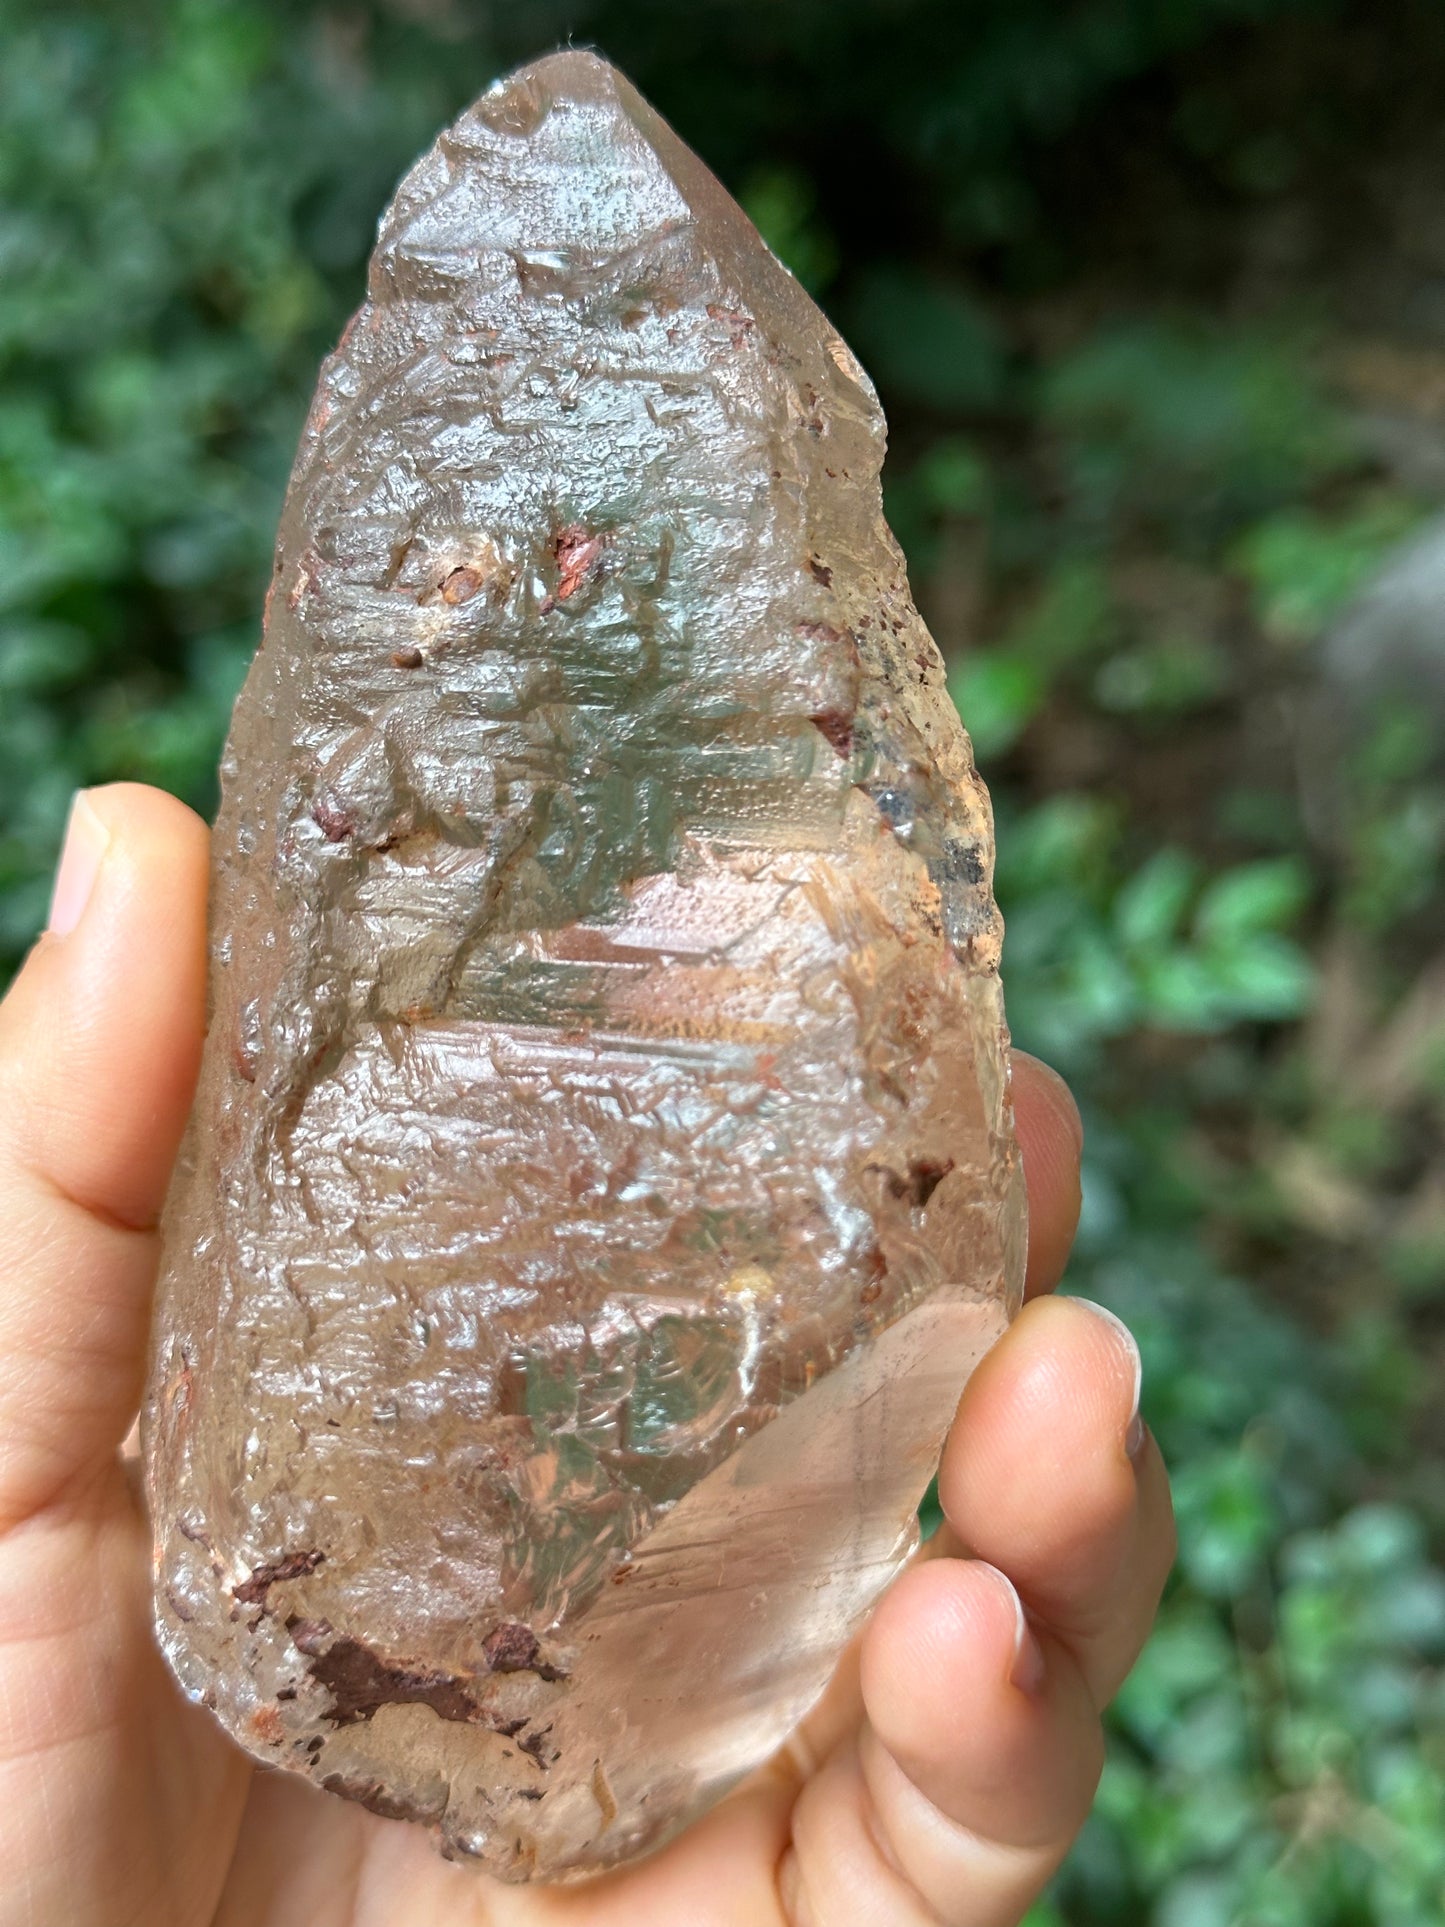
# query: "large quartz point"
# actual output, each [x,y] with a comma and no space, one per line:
[602,1181]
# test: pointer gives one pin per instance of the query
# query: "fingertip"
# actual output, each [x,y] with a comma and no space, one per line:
[119,835]
[1125,1368]
[1072,1350]
[962,1696]
[100,1036]
[1051,1135]
[949,1633]
[1043,1474]
[1056,1397]
[145,824]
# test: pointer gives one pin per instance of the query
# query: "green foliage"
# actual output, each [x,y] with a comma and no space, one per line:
[1277,1754]
[1303,567]
[1098,951]
[1215,423]
[1133,510]
[783,207]
[1162,677]
[927,340]
[179,228]
[1000,693]
[1395,836]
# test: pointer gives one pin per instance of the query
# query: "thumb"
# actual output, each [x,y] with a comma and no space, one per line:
[100,1038]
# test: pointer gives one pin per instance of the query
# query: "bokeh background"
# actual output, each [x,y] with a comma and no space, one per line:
[1154,291]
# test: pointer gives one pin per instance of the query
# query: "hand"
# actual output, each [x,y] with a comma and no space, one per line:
[941,1779]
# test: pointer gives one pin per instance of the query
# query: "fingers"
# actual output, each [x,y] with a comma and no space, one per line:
[1050,1475]
[100,1037]
[1051,1137]
[961,1696]
[971,1775]
[981,1745]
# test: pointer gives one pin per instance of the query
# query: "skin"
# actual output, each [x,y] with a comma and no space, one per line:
[943,1776]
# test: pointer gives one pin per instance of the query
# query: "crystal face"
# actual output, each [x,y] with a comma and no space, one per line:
[602,1181]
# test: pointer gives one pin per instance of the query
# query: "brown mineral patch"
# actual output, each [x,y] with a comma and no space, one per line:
[267,1726]
[739,326]
[578,552]
[374,1796]
[510,1649]
[362,1681]
[837,726]
[602,1794]
[335,824]
[515,1649]
[918,1184]
[462,584]
[534,1746]
[291,1565]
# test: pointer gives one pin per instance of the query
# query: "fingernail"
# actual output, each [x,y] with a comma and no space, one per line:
[1059,1097]
[86,842]
[1134,1432]
[1026,1670]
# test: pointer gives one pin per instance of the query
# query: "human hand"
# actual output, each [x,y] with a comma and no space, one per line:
[942,1777]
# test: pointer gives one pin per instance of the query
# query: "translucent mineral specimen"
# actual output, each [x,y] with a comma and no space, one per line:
[602,1181]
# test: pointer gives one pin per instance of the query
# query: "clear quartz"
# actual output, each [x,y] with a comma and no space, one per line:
[602,1179]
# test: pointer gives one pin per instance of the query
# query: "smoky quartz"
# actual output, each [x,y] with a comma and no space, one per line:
[601,1182]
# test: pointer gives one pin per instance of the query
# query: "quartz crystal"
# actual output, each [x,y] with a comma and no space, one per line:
[602,1180]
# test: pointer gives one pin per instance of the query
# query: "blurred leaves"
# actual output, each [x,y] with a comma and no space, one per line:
[1097,953]
[1213,423]
[1134,512]
[783,208]
[927,340]
[186,197]
[1303,567]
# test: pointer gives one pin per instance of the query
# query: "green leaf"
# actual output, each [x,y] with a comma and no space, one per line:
[783,207]
[954,477]
[1069,619]
[1227,1520]
[1163,402]
[1149,909]
[1266,978]
[1180,990]
[997,696]
[1043,1914]
[1164,678]
[1303,567]
[1252,897]
[927,340]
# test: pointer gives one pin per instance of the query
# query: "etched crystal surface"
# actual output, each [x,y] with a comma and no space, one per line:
[601,1181]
